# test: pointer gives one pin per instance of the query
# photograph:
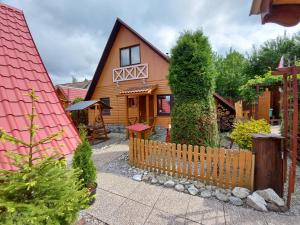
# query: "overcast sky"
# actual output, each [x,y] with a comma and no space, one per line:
[71,34]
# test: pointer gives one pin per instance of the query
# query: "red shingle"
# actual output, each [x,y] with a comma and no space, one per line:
[72,93]
[22,69]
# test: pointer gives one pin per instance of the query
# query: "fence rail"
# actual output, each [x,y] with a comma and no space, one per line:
[224,168]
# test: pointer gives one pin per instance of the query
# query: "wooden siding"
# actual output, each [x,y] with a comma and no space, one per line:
[158,70]
[264,106]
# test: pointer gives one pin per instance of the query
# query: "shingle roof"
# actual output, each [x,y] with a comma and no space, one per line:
[22,69]
[72,93]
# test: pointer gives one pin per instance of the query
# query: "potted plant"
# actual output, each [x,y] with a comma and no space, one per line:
[83,160]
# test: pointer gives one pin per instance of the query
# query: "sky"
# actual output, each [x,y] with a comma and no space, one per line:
[71,34]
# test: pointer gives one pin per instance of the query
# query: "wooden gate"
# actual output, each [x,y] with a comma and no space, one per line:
[224,168]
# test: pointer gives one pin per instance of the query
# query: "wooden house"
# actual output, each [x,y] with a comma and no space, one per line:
[131,77]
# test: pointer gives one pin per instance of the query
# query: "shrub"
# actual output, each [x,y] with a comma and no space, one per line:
[83,160]
[242,131]
[41,190]
[191,78]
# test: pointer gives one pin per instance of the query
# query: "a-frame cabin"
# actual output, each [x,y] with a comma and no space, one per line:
[131,77]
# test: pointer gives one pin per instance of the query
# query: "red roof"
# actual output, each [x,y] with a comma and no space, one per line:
[22,69]
[72,93]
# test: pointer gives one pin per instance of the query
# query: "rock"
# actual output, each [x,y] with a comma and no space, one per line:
[273,207]
[257,202]
[235,201]
[271,196]
[209,187]
[146,172]
[146,178]
[206,194]
[153,180]
[193,190]
[240,192]
[169,184]
[137,177]
[179,187]
[199,185]
[221,195]
[161,180]
[213,193]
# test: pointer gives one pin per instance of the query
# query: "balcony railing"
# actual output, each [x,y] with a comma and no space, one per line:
[134,72]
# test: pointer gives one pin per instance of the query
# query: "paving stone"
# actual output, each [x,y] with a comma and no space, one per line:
[158,217]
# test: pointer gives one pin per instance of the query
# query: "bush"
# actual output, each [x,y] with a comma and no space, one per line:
[83,160]
[242,131]
[191,78]
[47,193]
[203,129]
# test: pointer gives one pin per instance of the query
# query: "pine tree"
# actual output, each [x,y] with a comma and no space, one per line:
[40,190]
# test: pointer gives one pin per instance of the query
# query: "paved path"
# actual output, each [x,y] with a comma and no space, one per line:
[120,200]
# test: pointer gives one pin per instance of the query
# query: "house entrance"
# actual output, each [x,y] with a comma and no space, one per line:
[143,108]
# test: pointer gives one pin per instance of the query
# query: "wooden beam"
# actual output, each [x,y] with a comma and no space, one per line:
[126,112]
[147,109]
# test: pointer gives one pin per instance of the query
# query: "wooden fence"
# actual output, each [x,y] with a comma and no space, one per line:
[224,168]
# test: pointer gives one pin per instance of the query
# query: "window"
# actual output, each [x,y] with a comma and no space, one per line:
[106,101]
[131,102]
[130,55]
[164,104]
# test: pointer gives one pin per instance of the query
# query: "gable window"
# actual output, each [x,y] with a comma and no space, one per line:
[164,104]
[106,101]
[130,55]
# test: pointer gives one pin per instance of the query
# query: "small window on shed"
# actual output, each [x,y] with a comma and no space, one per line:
[106,101]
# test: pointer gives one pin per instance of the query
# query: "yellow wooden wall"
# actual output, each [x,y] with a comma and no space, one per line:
[157,70]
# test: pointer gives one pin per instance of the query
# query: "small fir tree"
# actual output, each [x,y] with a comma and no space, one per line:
[83,160]
[41,190]
[191,77]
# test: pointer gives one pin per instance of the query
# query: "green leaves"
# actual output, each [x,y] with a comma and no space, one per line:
[242,131]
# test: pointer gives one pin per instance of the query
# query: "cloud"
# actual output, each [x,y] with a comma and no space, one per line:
[71,35]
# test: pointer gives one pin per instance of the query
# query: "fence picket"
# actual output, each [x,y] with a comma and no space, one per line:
[142,153]
[135,152]
[222,167]
[154,155]
[190,149]
[179,160]
[184,154]
[169,149]
[159,157]
[228,161]
[215,161]
[173,159]
[208,164]
[150,155]
[234,172]
[202,160]
[196,150]
[163,156]
[146,155]
[241,168]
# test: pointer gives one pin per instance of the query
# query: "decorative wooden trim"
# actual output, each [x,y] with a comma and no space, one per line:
[135,72]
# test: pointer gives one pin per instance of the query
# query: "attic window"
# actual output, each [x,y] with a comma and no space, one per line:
[130,55]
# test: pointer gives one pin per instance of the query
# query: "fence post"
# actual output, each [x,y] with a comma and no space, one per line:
[268,171]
